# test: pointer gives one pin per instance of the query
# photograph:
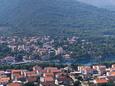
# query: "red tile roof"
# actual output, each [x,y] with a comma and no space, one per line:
[16,71]
[31,73]
[52,69]
[101,81]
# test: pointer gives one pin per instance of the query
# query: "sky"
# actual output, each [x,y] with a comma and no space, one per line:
[100,2]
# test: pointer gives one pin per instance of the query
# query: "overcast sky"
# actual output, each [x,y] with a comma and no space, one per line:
[99,2]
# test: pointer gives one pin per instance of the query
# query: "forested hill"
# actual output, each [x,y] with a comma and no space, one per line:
[106,4]
[53,17]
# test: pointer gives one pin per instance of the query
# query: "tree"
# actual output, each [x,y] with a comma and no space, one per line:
[29,84]
[77,83]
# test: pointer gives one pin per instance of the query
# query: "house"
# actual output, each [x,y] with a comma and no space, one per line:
[2,73]
[48,74]
[9,59]
[85,70]
[17,74]
[67,56]
[111,72]
[59,51]
[52,70]
[4,80]
[31,76]
[48,80]
[100,82]
[95,73]
[64,80]
[38,70]
[100,68]
[113,66]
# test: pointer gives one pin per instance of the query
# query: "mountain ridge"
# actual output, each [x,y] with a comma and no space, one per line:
[52,17]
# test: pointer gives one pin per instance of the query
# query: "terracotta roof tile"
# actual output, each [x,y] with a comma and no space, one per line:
[99,81]
[112,73]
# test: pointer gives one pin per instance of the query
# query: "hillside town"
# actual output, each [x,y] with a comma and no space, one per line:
[33,48]
[57,42]
[95,75]
[56,49]
[22,49]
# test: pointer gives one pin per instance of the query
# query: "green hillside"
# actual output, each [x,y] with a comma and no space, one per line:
[53,17]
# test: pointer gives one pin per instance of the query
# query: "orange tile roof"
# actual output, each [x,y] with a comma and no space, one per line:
[31,73]
[112,73]
[15,71]
[100,81]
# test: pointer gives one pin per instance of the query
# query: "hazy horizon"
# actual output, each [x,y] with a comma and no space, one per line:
[99,2]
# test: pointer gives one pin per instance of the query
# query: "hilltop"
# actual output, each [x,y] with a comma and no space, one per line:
[53,17]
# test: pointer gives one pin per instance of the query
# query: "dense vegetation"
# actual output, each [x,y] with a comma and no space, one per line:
[54,17]
[82,51]
[4,50]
